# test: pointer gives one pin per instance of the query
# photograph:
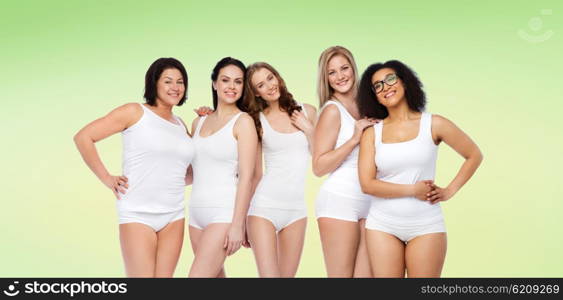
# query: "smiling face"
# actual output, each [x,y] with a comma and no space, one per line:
[389,95]
[170,87]
[229,84]
[340,74]
[266,85]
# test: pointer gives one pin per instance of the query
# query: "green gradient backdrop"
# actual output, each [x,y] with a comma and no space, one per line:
[65,63]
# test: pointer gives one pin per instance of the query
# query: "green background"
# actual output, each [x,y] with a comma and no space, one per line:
[66,63]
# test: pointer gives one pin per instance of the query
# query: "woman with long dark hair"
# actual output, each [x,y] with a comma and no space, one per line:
[225,151]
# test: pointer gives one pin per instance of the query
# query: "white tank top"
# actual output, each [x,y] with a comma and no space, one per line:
[215,167]
[286,158]
[156,156]
[406,163]
[344,180]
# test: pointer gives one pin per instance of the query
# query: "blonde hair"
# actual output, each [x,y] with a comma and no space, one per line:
[324,90]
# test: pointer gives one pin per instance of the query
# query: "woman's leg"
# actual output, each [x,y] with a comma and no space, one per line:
[386,254]
[195,234]
[290,247]
[362,269]
[170,240]
[340,241]
[263,242]
[425,255]
[210,253]
[138,248]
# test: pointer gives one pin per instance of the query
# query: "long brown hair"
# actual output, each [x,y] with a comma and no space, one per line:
[255,104]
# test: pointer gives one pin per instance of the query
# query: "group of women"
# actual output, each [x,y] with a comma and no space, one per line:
[378,211]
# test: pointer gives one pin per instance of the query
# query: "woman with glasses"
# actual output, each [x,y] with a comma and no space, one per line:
[397,163]
[341,206]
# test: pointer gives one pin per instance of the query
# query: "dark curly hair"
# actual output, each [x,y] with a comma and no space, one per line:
[368,104]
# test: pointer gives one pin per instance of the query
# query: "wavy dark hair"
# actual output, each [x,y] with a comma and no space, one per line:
[368,104]
[153,75]
[256,104]
[226,61]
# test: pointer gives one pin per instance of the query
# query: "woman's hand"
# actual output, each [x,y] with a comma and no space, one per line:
[203,111]
[438,194]
[359,127]
[299,120]
[117,184]
[234,239]
[422,189]
[246,243]
[189,178]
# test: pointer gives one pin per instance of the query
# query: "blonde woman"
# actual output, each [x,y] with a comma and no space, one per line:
[341,206]
[277,217]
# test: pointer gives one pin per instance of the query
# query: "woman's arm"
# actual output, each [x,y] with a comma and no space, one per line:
[189,179]
[445,130]
[247,144]
[258,172]
[325,157]
[372,186]
[116,121]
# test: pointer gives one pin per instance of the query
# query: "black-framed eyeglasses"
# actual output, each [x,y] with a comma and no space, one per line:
[390,80]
